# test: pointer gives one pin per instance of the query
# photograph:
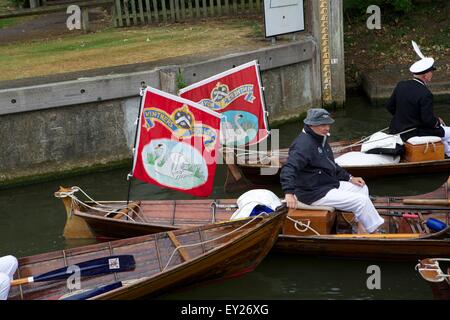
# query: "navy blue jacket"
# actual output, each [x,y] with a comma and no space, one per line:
[310,171]
[411,104]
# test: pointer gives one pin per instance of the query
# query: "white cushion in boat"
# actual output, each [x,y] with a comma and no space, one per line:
[381,140]
[355,158]
[250,199]
[424,139]
[304,206]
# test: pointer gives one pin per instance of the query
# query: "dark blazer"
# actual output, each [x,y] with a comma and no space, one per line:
[411,104]
[310,171]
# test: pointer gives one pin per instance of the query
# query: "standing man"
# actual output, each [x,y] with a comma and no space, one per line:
[411,104]
[311,175]
[8,266]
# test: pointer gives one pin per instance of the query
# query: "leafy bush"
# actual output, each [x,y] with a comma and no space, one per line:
[356,7]
[20,3]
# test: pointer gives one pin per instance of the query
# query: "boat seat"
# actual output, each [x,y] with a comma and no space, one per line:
[303,206]
[306,222]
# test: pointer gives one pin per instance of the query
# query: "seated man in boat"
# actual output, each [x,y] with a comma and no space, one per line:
[411,104]
[311,176]
[8,266]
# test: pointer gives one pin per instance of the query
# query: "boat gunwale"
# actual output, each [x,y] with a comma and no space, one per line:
[421,238]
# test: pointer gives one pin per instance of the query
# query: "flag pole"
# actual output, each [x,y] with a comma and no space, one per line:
[263,93]
[138,120]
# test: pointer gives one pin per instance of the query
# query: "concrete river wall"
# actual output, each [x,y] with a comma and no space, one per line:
[54,128]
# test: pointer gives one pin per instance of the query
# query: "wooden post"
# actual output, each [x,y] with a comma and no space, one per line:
[219,7]
[163,9]
[119,13]
[205,8]
[172,10]
[126,12]
[211,7]
[183,10]
[141,11]
[168,81]
[190,11]
[85,19]
[34,4]
[336,29]
[227,7]
[133,12]
[148,11]
[197,9]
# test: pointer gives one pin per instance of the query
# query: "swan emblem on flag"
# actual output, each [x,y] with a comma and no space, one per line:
[174,164]
[238,128]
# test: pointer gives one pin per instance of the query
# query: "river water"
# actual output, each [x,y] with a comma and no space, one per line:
[32,221]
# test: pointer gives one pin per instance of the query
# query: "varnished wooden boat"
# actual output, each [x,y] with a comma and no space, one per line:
[164,261]
[117,220]
[249,166]
[403,238]
[437,275]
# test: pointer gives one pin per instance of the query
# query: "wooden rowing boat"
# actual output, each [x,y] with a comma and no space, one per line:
[404,238]
[117,220]
[249,166]
[437,276]
[163,261]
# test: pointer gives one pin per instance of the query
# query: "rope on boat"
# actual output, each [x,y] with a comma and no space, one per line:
[306,227]
[262,155]
[427,146]
[361,142]
[440,274]
[212,240]
[267,154]
[107,208]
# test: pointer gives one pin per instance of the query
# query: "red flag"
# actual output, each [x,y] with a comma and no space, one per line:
[177,143]
[237,94]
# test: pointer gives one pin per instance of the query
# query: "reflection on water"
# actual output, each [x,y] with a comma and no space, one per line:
[282,276]
[32,221]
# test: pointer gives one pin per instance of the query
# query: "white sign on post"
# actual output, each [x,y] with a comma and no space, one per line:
[283,16]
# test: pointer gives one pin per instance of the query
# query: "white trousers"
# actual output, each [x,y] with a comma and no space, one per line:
[446,140]
[350,197]
[8,266]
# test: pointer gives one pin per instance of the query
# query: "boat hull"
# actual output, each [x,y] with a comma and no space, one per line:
[360,248]
[209,252]
[236,259]
[253,173]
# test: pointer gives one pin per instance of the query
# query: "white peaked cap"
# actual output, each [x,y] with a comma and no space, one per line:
[424,65]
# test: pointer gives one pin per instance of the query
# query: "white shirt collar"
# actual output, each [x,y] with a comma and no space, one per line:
[420,81]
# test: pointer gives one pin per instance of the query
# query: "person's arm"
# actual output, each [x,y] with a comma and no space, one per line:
[289,173]
[342,174]
[391,104]
[426,112]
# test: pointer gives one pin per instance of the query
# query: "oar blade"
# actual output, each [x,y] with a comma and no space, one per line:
[93,292]
[93,267]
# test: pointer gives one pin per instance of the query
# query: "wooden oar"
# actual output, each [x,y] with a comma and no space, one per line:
[411,207]
[401,215]
[87,268]
[433,202]
[377,235]
[84,295]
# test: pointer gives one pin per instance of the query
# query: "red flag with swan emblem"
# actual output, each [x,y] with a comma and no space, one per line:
[237,94]
[177,143]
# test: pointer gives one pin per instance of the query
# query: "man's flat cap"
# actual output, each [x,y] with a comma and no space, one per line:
[317,117]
